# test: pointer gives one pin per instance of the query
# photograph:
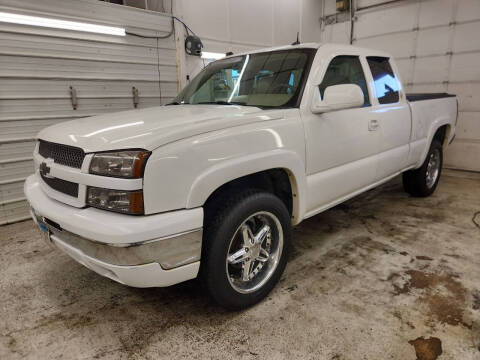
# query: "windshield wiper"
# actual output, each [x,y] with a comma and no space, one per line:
[222,102]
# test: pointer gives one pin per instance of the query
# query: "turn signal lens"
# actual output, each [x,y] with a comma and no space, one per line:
[126,202]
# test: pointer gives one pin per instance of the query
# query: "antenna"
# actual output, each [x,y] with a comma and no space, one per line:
[297,42]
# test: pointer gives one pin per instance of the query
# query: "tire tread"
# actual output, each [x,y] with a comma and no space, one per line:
[218,218]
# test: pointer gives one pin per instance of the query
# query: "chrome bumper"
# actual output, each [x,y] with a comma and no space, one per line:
[170,252]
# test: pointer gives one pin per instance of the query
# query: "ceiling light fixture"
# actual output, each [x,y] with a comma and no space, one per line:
[60,24]
[212,55]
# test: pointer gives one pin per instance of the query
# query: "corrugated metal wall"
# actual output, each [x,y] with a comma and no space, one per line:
[436,45]
[38,66]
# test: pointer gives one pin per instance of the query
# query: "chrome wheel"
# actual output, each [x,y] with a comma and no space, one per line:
[433,168]
[254,252]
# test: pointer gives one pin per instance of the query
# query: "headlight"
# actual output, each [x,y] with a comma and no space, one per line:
[127,202]
[123,164]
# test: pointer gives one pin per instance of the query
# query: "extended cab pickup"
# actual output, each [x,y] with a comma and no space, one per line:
[211,184]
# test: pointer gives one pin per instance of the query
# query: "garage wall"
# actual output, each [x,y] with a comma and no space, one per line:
[436,45]
[38,66]
[232,25]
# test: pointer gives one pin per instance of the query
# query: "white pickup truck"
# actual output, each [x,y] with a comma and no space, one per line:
[211,184]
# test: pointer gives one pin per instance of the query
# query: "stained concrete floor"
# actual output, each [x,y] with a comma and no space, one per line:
[384,276]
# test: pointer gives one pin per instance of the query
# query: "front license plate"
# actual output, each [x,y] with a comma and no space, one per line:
[42,226]
[44,230]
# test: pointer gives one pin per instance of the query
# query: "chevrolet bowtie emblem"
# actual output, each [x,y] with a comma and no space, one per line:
[45,170]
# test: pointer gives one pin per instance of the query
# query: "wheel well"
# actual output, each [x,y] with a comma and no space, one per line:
[442,134]
[275,181]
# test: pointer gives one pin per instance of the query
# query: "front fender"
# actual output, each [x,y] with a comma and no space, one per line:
[210,180]
[183,174]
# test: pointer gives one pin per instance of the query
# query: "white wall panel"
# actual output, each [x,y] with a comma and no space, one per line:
[329,7]
[25,128]
[340,33]
[49,88]
[12,192]
[286,17]
[437,47]
[425,88]
[310,20]
[468,96]
[389,20]
[38,66]
[405,68]
[466,37]
[463,154]
[433,41]
[465,68]
[237,26]
[250,23]
[58,48]
[468,10]
[399,45]
[208,19]
[10,151]
[431,69]
[468,125]
[15,170]
[337,33]
[259,17]
[435,13]
[50,108]
[14,210]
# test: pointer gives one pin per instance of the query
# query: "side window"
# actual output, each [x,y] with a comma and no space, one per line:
[345,70]
[386,83]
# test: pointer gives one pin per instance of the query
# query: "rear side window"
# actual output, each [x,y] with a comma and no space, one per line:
[345,70]
[386,83]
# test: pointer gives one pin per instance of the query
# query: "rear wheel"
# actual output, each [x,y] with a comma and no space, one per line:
[245,249]
[423,181]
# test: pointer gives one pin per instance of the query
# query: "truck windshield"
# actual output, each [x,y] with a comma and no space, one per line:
[268,79]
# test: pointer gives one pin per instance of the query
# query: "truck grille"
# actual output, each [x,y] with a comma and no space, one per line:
[62,154]
[62,186]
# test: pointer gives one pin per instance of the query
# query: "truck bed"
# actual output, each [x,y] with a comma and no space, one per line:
[427,96]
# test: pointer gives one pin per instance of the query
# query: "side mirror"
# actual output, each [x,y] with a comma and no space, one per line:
[337,97]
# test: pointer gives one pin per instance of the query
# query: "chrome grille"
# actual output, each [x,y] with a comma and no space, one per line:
[62,154]
[62,186]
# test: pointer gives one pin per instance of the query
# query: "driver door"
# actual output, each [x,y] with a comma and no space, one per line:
[342,145]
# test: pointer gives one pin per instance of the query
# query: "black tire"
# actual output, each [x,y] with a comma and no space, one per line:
[417,182]
[224,218]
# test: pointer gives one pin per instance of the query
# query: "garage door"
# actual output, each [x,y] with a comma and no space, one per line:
[437,48]
[39,69]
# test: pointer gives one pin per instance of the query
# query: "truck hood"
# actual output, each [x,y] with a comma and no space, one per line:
[152,127]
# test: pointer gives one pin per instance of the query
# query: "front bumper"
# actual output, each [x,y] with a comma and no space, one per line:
[140,251]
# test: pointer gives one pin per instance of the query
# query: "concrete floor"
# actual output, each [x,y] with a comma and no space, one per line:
[381,277]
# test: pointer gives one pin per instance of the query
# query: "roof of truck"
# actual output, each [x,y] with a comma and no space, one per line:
[283,47]
[332,46]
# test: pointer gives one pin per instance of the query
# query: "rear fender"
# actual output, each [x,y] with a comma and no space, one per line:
[437,124]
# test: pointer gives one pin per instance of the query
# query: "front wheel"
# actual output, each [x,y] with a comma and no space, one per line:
[424,180]
[245,248]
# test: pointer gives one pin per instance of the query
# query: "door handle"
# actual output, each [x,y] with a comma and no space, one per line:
[373,125]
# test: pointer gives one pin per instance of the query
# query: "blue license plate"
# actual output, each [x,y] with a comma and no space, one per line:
[43,227]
